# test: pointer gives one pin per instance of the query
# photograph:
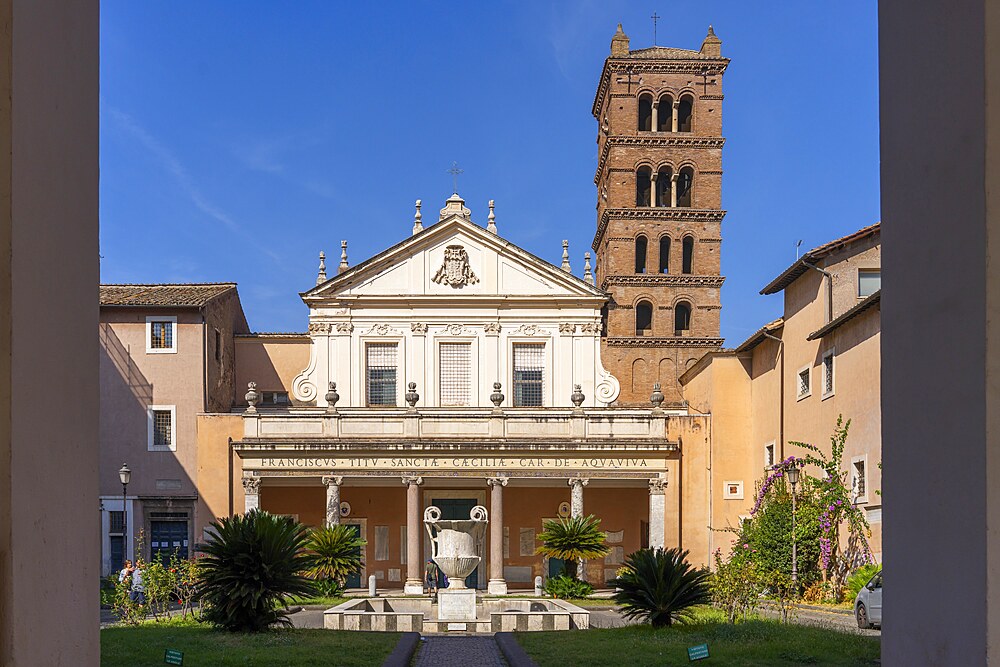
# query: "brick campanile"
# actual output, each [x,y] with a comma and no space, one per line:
[659,216]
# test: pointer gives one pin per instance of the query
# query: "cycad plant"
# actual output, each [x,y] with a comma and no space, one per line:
[336,555]
[660,586]
[253,564]
[573,539]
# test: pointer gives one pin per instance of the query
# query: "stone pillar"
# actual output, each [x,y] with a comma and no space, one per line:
[653,123]
[332,483]
[652,188]
[497,584]
[414,582]
[657,512]
[673,189]
[576,485]
[674,119]
[251,493]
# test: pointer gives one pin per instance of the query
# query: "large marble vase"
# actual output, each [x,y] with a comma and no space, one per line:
[453,548]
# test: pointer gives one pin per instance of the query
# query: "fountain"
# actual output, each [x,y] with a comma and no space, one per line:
[453,545]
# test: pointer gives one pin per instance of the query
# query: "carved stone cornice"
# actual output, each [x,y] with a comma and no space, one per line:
[711,97]
[654,140]
[660,213]
[612,66]
[678,341]
[663,280]
[709,240]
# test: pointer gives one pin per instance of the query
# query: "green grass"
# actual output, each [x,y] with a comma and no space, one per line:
[326,601]
[202,645]
[751,643]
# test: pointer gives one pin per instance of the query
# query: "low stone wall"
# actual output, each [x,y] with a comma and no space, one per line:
[377,615]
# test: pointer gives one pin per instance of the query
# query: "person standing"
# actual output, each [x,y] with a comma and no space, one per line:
[431,576]
[126,572]
[138,592]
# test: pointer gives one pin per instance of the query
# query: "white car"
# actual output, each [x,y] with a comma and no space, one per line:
[868,604]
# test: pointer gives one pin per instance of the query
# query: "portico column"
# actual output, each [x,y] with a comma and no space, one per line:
[497,584]
[576,485]
[251,493]
[414,584]
[657,512]
[332,483]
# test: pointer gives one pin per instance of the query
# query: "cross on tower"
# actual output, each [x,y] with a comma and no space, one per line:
[656,17]
[705,82]
[628,81]
[455,171]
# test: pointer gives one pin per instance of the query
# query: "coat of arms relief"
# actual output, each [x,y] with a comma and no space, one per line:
[455,270]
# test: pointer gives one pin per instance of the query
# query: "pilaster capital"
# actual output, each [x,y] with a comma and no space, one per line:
[657,486]
[578,481]
[412,479]
[419,328]
[251,484]
[493,481]
[332,480]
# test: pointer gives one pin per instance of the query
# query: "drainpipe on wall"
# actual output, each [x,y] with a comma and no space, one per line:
[829,290]
[781,396]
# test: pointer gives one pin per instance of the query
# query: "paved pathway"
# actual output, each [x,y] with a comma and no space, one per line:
[439,651]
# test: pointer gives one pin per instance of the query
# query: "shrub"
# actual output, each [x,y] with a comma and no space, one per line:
[572,540]
[336,555]
[661,587]
[565,588]
[735,585]
[859,578]
[252,565]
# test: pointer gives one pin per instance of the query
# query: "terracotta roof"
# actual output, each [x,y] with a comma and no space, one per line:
[180,295]
[757,337]
[667,53]
[801,265]
[874,299]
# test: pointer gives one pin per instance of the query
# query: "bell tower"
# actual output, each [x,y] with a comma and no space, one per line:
[659,215]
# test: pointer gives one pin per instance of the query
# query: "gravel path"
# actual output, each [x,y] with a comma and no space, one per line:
[438,651]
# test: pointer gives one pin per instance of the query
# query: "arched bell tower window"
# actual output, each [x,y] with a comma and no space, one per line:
[645,112]
[665,254]
[685,183]
[664,117]
[687,254]
[641,245]
[643,318]
[642,186]
[685,114]
[663,181]
[682,318]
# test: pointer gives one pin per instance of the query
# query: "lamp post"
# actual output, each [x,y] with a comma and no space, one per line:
[793,479]
[124,474]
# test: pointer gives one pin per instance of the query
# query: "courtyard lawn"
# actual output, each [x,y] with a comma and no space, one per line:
[755,642]
[202,645]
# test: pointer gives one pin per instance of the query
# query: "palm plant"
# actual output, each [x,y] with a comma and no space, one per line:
[573,539]
[336,555]
[660,586]
[253,564]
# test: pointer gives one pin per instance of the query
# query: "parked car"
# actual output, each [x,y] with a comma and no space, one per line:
[868,603]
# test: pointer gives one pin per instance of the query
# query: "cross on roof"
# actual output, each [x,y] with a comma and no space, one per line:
[656,17]
[455,171]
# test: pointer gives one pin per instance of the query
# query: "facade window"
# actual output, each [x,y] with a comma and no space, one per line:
[685,114]
[665,254]
[529,374]
[455,373]
[642,187]
[869,282]
[645,113]
[859,483]
[685,181]
[687,254]
[274,398]
[161,334]
[162,435]
[664,178]
[380,361]
[643,318]
[665,115]
[641,244]
[769,455]
[682,318]
[805,386]
[828,374]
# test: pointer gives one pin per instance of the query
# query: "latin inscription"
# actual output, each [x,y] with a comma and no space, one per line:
[453,463]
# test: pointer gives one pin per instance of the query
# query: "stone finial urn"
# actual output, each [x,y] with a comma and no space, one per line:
[453,542]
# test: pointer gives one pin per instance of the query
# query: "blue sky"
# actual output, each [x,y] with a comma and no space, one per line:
[240,139]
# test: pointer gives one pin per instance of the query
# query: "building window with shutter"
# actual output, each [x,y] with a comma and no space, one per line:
[161,334]
[455,374]
[529,374]
[162,434]
[381,371]
[116,540]
[828,374]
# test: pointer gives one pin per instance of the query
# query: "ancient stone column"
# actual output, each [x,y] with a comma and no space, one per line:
[332,483]
[251,493]
[674,119]
[414,583]
[497,584]
[657,511]
[576,485]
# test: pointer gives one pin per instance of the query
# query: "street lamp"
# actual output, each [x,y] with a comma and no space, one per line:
[793,479]
[124,474]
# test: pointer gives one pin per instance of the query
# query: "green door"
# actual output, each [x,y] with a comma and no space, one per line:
[457,508]
[354,581]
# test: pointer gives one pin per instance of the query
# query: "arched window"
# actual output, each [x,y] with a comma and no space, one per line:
[664,116]
[687,258]
[643,318]
[665,254]
[663,177]
[685,113]
[645,112]
[685,181]
[642,185]
[682,318]
[640,254]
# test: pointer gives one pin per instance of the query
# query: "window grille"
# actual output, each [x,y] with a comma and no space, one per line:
[859,478]
[529,372]
[768,456]
[828,374]
[455,373]
[803,382]
[116,522]
[381,367]
[161,335]
[162,435]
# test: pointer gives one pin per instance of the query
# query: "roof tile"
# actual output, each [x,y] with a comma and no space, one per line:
[178,295]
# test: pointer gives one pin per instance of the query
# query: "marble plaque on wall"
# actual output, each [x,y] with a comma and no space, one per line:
[379,575]
[527,542]
[517,574]
[381,542]
[615,557]
[615,536]
[610,574]
[394,574]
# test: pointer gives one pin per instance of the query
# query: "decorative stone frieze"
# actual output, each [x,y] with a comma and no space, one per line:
[345,327]
[492,328]
[567,328]
[419,328]
[679,341]
[383,330]
[320,327]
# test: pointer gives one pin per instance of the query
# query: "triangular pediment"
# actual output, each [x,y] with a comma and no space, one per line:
[454,258]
